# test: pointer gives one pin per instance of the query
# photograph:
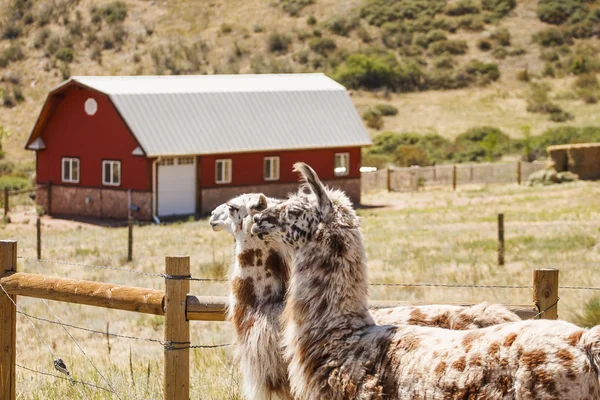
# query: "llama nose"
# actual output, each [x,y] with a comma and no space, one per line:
[256,218]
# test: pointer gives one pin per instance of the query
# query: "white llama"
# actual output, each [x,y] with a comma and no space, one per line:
[258,344]
[335,350]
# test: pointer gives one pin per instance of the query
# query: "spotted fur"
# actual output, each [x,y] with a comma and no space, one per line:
[335,350]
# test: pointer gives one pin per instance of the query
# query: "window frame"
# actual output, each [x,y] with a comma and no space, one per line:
[112,163]
[343,156]
[271,159]
[227,179]
[70,160]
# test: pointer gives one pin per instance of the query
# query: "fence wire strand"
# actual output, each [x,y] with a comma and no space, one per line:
[81,349]
[39,335]
[63,378]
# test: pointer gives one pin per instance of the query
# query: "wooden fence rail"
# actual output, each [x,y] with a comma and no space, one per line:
[174,303]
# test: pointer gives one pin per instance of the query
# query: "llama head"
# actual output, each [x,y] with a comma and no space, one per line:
[298,219]
[230,216]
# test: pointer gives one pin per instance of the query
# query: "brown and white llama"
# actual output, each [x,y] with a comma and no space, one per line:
[257,287]
[259,343]
[335,350]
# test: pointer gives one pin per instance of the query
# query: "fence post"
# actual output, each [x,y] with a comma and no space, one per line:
[130,239]
[5,202]
[500,239]
[38,226]
[8,325]
[519,172]
[453,176]
[177,329]
[545,292]
[389,179]
[471,173]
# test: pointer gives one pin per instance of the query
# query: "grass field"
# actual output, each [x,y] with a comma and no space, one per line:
[434,236]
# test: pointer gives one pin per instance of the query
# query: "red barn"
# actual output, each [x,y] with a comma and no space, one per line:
[181,145]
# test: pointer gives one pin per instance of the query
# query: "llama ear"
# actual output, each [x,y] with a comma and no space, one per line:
[261,204]
[312,179]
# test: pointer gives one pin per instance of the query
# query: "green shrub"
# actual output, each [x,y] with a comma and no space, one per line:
[257,28]
[502,36]
[11,54]
[454,47]
[481,73]
[342,25]
[311,20]
[65,54]
[323,46]
[45,13]
[564,135]
[499,53]
[587,87]
[278,42]
[462,7]
[14,182]
[484,45]
[378,12]
[293,7]
[375,160]
[471,23]
[558,11]
[552,37]
[538,100]
[386,109]
[114,12]
[226,28]
[548,71]
[499,7]
[302,56]
[517,51]
[374,120]
[407,155]
[444,63]
[479,143]
[561,116]
[523,75]
[377,70]
[364,35]
[8,99]
[395,35]
[584,60]
[11,30]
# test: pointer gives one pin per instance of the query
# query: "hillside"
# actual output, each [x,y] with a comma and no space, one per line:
[445,65]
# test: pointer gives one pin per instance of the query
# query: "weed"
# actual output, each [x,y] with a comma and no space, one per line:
[65,54]
[278,42]
[311,20]
[462,7]
[590,315]
[226,28]
[484,45]
[323,46]
[454,47]
[502,36]
[293,7]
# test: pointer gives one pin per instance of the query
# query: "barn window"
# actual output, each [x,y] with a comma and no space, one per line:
[111,173]
[70,170]
[341,166]
[223,171]
[167,161]
[271,168]
[90,106]
[185,160]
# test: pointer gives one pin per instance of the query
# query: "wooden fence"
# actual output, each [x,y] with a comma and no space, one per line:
[175,304]
[414,178]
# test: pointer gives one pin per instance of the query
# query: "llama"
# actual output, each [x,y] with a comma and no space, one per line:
[257,346]
[257,289]
[335,350]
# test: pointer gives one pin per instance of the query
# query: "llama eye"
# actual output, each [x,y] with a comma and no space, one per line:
[232,208]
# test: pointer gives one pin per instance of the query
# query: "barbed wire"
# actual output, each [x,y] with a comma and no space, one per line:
[39,335]
[547,308]
[81,349]
[451,285]
[63,378]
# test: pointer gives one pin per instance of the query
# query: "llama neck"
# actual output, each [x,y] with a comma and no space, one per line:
[328,288]
[259,277]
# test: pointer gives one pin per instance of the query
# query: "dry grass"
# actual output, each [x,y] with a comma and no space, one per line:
[431,236]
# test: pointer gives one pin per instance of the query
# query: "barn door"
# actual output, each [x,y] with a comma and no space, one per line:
[177,186]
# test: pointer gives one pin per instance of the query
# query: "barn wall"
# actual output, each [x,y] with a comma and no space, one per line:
[247,168]
[70,132]
[212,197]
[94,202]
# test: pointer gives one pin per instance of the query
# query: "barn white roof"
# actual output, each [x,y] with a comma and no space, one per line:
[212,114]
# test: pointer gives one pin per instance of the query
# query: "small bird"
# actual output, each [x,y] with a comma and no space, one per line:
[60,366]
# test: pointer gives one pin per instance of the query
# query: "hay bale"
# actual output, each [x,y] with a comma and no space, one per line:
[549,177]
[580,159]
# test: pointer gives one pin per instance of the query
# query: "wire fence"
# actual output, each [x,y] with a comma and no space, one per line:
[407,179]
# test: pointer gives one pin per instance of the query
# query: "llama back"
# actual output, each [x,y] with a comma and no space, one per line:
[590,341]
[446,316]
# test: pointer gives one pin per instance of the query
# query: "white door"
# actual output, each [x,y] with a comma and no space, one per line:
[177,186]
